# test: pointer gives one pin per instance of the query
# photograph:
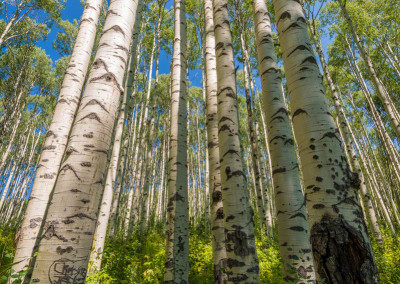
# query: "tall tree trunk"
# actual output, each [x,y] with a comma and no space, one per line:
[216,205]
[344,127]
[57,135]
[177,248]
[253,141]
[242,262]
[72,215]
[293,231]
[107,199]
[341,248]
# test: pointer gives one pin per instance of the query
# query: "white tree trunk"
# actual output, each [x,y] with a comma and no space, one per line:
[291,213]
[242,262]
[72,215]
[216,206]
[341,248]
[57,135]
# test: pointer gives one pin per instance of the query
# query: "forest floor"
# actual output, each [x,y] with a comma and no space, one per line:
[140,259]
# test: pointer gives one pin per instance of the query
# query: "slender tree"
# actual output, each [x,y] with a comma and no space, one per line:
[57,135]
[177,249]
[71,218]
[341,248]
[288,195]
[242,262]
[216,206]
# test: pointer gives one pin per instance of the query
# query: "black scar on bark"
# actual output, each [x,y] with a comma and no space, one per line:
[115,28]
[300,47]
[96,102]
[318,206]
[212,144]
[277,137]
[330,135]
[225,119]
[220,44]
[298,215]
[277,171]
[111,12]
[238,278]
[270,70]
[69,167]
[297,228]
[49,147]
[237,241]
[284,15]
[34,222]
[61,251]
[50,231]
[310,59]
[177,197]
[51,133]
[217,196]
[231,217]
[230,262]
[68,221]
[181,244]
[223,128]
[93,116]
[123,48]
[289,141]
[108,77]
[340,253]
[81,216]
[299,111]
[220,213]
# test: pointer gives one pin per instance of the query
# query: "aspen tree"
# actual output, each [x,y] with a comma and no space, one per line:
[57,134]
[291,213]
[216,206]
[107,198]
[344,127]
[242,262]
[71,218]
[341,248]
[177,248]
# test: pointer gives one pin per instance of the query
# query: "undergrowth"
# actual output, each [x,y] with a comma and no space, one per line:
[140,259]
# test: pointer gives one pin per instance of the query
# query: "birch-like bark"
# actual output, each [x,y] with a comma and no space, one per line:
[289,199]
[177,247]
[341,248]
[57,135]
[216,206]
[344,127]
[67,237]
[105,206]
[242,262]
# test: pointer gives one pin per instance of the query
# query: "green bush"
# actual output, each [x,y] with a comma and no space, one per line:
[387,257]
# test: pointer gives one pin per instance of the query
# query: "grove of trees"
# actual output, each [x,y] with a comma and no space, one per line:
[200,141]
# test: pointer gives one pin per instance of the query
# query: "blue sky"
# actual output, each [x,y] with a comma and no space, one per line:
[73,10]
